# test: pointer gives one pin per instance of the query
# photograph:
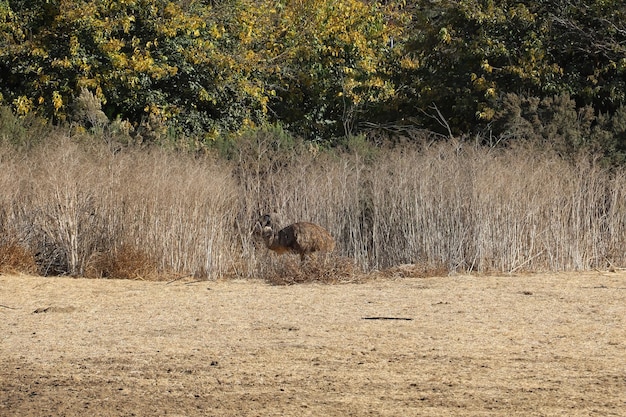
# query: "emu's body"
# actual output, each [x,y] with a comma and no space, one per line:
[302,238]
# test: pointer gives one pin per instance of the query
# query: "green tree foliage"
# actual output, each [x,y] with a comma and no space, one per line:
[589,43]
[319,67]
[329,63]
[204,67]
[465,55]
[169,60]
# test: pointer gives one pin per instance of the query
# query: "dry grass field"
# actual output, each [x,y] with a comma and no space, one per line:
[529,345]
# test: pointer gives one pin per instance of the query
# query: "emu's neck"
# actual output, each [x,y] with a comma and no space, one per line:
[270,238]
[273,243]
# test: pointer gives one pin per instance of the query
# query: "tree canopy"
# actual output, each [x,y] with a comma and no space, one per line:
[319,67]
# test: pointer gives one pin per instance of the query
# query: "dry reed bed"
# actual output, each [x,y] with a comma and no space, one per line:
[83,210]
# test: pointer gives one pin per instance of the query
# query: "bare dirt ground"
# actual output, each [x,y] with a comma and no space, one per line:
[532,345]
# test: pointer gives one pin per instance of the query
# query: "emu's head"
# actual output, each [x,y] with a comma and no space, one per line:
[266,228]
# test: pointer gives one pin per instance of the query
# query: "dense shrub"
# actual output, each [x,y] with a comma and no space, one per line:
[558,124]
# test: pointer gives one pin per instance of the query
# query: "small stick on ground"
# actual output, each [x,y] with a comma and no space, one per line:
[387,318]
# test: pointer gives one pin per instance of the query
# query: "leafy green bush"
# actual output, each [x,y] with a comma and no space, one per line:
[22,132]
[558,123]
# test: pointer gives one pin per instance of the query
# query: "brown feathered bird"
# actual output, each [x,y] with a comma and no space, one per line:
[302,238]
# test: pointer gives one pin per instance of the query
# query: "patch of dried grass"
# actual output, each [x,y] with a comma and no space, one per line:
[127,262]
[15,258]
[418,270]
[288,270]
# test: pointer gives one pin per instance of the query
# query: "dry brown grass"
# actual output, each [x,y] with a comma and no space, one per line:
[462,207]
[14,258]
[531,345]
[125,263]
[420,270]
[72,203]
[327,269]
[450,206]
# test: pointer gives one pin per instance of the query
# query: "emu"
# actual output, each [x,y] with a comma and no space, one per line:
[302,238]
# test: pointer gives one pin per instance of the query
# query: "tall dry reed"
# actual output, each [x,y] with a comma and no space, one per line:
[71,203]
[79,208]
[457,206]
